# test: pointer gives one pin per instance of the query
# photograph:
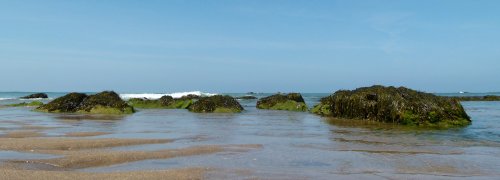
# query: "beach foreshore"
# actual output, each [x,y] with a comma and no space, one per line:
[74,150]
[253,144]
[187,173]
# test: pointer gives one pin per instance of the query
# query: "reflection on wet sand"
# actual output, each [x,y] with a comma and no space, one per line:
[80,117]
[95,158]
[403,150]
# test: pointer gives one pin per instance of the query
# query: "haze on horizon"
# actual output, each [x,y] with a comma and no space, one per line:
[241,46]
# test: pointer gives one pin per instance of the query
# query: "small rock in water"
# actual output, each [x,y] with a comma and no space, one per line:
[289,102]
[35,96]
[217,104]
[247,97]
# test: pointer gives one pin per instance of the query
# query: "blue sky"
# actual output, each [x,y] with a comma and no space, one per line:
[241,46]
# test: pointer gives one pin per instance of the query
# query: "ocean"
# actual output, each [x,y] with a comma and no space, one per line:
[294,145]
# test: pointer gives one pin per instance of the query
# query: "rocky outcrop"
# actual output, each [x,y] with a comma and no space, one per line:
[65,104]
[247,97]
[165,102]
[216,104]
[189,96]
[394,105]
[106,102]
[26,104]
[289,102]
[35,96]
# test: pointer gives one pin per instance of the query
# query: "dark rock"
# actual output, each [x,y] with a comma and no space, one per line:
[246,97]
[107,102]
[372,97]
[394,105]
[189,96]
[165,102]
[36,95]
[289,102]
[67,103]
[217,104]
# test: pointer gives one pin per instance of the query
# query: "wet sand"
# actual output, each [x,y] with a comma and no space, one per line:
[96,158]
[41,144]
[85,134]
[187,173]
[21,134]
[77,153]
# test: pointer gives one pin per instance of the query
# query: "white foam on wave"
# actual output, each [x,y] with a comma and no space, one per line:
[32,99]
[35,99]
[159,95]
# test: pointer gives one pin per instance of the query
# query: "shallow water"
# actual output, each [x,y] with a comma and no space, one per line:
[295,145]
[13,155]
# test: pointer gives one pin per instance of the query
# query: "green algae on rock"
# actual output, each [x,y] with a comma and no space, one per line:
[25,104]
[216,104]
[65,104]
[35,96]
[106,102]
[288,102]
[165,102]
[177,103]
[394,105]
[144,103]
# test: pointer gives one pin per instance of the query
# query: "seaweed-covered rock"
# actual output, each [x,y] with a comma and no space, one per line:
[35,96]
[216,104]
[144,103]
[246,97]
[67,103]
[394,105]
[25,104]
[189,96]
[106,102]
[165,102]
[289,102]
[177,103]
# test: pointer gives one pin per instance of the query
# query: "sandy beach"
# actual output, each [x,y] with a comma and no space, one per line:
[77,153]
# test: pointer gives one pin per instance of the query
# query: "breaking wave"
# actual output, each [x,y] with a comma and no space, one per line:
[158,95]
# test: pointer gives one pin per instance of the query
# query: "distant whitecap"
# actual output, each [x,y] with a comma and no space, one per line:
[158,96]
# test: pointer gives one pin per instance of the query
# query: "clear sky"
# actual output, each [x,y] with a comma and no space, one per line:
[241,46]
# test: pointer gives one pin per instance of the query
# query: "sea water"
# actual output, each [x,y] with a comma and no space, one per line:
[295,145]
